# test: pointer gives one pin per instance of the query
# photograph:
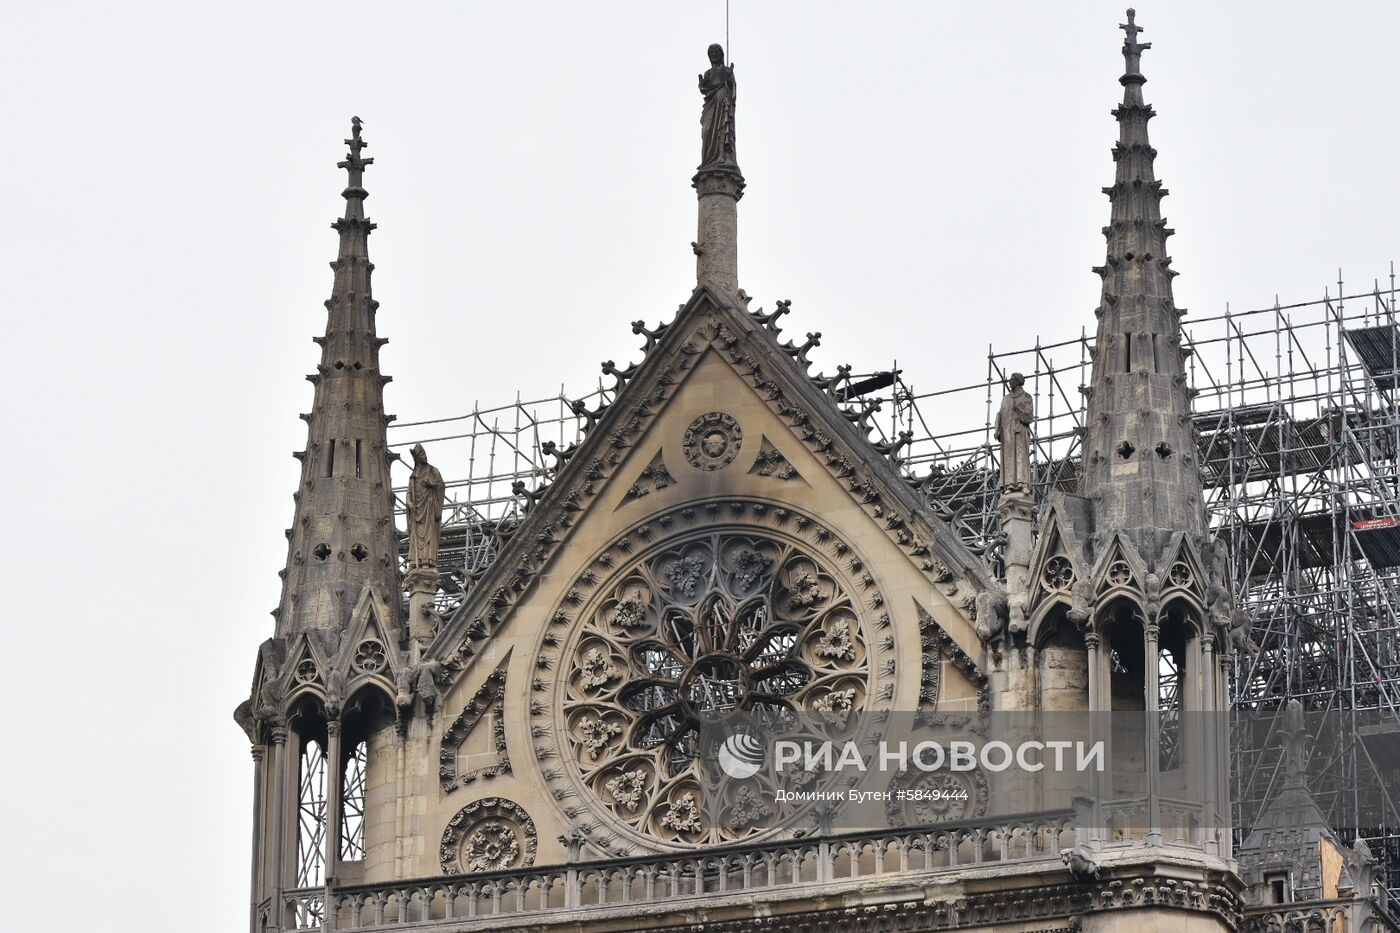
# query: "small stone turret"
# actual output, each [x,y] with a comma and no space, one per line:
[342,538]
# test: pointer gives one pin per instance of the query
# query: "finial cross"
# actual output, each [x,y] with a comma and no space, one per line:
[1132,48]
[1131,27]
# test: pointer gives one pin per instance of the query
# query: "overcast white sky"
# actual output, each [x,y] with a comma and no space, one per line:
[923,178]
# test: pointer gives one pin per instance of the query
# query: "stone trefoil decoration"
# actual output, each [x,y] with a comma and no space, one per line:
[594,735]
[749,808]
[1013,430]
[683,815]
[717,118]
[627,788]
[714,621]
[489,834]
[712,441]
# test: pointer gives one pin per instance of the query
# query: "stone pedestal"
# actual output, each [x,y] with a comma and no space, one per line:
[422,584]
[719,188]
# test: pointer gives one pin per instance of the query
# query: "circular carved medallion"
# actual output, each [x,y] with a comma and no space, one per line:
[712,441]
[922,798]
[488,835]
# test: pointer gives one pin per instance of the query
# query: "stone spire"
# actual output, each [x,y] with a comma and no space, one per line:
[1139,451]
[342,538]
[718,182]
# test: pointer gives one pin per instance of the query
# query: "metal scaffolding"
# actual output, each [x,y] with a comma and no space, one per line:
[1298,422]
[1298,416]
[485,456]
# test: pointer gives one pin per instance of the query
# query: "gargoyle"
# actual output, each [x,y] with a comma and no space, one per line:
[1081,866]
[991,611]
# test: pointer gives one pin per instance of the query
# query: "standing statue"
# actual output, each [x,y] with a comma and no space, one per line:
[717,119]
[426,493]
[1014,432]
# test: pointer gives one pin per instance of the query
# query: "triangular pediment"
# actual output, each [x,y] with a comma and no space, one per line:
[1057,563]
[308,666]
[718,406]
[1119,568]
[1185,570]
[369,651]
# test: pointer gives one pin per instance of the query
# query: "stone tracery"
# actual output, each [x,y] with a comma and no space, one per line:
[713,622]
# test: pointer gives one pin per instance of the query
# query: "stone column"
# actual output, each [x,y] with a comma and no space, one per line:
[259,827]
[1211,819]
[421,584]
[1153,751]
[278,825]
[573,842]
[331,838]
[1097,783]
[719,188]
[1222,774]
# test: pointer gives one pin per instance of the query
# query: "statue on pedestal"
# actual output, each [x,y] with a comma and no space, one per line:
[1013,430]
[717,119]
[426,494]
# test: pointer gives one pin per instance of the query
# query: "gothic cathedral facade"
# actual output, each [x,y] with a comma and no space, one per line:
[727,538]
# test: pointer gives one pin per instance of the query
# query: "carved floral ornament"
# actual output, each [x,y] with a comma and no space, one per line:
[718,619]
[489,834]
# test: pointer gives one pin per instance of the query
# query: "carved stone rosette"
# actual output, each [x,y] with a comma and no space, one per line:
[489,834]
[919,798]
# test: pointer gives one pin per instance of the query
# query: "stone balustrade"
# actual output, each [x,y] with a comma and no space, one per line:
[1312,917]
[1183,822]
[774,870]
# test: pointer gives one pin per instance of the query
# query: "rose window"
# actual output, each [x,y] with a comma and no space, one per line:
[731,622]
